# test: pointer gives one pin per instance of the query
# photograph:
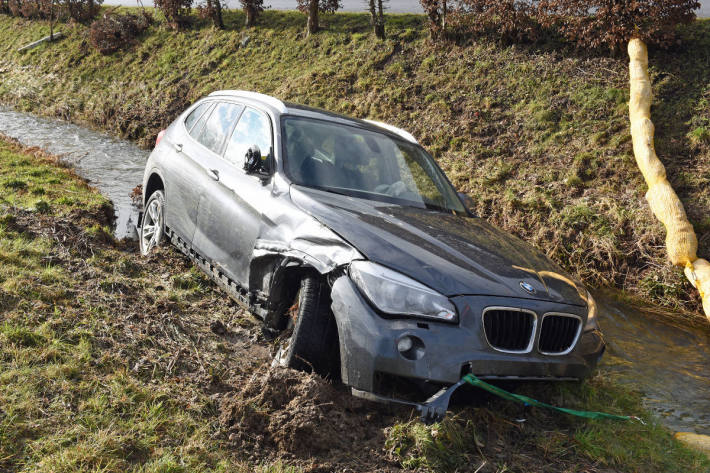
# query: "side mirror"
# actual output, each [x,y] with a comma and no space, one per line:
[255,163]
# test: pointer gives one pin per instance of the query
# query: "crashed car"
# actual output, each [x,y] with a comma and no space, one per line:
[347,239]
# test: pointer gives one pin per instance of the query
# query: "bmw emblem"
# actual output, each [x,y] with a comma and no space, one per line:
[528,287]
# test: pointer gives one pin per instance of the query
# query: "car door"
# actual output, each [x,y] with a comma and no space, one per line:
[230,212]
[180,171]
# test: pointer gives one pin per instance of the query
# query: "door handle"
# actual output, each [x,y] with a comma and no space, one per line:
[178,147]
[214,174]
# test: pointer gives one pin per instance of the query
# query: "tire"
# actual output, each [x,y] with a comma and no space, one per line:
[310,343]
[153,225]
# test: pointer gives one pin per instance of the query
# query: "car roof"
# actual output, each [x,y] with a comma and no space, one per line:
[288,108]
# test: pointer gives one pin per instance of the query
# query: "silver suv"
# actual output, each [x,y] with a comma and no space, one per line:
[352,245]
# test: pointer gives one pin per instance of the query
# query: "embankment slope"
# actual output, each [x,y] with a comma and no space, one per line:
[538,135]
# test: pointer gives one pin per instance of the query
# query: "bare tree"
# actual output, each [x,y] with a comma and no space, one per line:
[252,9]
[313,25]
[436,10]
[52,19]
[313,7]
[212,9]
[377,17]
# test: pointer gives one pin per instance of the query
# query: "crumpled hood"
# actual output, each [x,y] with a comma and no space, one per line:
[454,255]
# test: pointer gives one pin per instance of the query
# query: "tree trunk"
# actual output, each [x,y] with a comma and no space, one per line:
[250,16]
[312,17]
[377,18]
[380,26]
[51,21]
[218,22]
[443,15]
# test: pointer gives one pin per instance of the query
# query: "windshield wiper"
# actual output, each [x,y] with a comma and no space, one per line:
[332,190]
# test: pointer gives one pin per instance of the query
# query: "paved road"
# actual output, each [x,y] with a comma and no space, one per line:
[394,6]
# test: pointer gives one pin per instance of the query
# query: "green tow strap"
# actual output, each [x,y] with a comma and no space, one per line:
[474,381]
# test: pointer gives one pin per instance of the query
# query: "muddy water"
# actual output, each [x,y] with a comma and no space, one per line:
[113,166]
[667,363]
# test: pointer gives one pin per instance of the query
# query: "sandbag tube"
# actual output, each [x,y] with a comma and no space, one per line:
[681,241]
[434,409]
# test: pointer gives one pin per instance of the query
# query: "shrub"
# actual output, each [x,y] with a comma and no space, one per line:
[324,6]
[614,22]
[436,12]
[211,10]
[511,19]
[114,32]
[30,8]
[176,12]
[81,10]
[252,9]
[586,23]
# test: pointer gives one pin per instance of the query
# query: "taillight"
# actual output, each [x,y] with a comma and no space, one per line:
[160,137]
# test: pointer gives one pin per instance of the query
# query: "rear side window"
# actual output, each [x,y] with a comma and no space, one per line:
[196,114]
[218,125]
[197,128]
[254,128]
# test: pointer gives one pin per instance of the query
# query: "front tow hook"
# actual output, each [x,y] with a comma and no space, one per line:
[432,410]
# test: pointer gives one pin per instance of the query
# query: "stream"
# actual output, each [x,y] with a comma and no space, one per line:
[111,165]
[668,363]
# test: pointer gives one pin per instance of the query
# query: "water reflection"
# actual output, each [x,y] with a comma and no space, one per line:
[667,362]
[113,166]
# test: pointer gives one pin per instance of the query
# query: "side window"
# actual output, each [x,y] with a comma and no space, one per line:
[254,128]
[197,128]
[217,126]
[195,115]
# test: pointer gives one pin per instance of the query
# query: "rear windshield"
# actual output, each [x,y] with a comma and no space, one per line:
[362,163]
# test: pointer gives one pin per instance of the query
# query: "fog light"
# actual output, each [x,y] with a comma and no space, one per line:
[410,347]
[405,344]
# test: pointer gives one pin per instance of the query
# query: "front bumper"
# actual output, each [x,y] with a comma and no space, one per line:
[368,344]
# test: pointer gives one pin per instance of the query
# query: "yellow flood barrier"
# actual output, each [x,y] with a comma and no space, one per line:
[700,442]
[681,242]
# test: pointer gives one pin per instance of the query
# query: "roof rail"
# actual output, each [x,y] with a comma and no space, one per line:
[267,99]
[404,134]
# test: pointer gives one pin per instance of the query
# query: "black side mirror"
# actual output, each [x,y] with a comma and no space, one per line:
[255,163]
[252,160]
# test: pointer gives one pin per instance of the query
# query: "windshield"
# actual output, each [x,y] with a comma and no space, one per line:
[353,161]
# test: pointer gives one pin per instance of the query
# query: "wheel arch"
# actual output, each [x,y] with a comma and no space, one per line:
[155,182]
[275,279]
[323,338]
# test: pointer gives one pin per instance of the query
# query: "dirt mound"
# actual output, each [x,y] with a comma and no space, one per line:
[302,415]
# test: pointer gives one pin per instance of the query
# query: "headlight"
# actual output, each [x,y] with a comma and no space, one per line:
[591,313]
[395,294]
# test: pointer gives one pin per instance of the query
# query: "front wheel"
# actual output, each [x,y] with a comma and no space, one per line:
[151,234]
[310,341]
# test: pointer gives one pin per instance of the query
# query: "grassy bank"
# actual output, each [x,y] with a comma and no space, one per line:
[538,135]
[115,363]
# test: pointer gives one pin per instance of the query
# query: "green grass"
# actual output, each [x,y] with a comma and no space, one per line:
[531,132]
[81,389]
[108,363]
[542,440]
